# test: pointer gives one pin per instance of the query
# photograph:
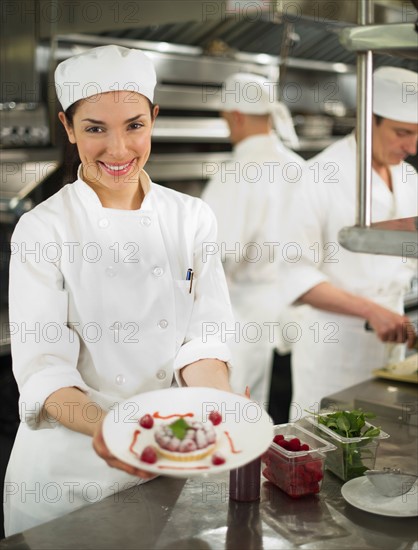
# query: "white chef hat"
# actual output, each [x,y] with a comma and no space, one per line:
[253,94]
[395,94]
[104,69]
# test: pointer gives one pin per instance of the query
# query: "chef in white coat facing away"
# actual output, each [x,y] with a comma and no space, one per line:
[99,302]
[343,290]
[249,196]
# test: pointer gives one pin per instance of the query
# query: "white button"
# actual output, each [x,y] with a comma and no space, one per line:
[146,221]
[163,323]
[111,271]
[161,374]
[158,271]
[120,379]
[104,222]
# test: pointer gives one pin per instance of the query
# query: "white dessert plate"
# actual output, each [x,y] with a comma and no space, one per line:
[362,494]
[245,432]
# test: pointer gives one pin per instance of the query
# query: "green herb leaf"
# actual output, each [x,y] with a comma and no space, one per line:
[352,417]
[331,424]
[371,432]
[343,423]
[179,428]
[349,423]
[369,415]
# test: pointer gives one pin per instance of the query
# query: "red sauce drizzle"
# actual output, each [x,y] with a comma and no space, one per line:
[183,467]
[157,415]
[231,444]
[131,447]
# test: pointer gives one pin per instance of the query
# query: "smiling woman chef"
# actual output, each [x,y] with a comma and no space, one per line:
[99,277]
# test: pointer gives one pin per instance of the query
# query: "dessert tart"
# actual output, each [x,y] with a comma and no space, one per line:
[185,440]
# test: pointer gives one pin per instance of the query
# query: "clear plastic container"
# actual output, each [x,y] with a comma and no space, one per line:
[354,455]
[297,473]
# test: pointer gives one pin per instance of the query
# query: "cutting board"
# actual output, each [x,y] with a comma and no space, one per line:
[398,370]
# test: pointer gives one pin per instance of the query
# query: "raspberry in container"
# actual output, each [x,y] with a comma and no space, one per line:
[295,460]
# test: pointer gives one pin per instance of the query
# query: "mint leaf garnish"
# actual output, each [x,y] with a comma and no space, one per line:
[179,428]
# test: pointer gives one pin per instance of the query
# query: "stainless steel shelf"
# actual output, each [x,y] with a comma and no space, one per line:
[394,37]
[161,52]
[183,167]
[190,129]
[21,171]
[391,238]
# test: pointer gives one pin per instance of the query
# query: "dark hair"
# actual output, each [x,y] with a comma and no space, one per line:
[72,160]
[378,119]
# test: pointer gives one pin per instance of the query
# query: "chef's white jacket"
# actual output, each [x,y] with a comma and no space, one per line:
[99,300]
[249,196]
[334,351]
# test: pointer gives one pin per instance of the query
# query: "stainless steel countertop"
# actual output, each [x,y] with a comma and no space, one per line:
[197,514]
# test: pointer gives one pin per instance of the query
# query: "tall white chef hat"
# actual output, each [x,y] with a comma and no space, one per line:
[253,94]
[395,94]
[104,69]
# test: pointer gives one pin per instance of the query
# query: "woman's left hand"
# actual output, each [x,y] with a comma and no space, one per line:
[101,449]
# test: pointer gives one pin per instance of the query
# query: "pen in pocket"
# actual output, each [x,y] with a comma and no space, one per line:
[189,277]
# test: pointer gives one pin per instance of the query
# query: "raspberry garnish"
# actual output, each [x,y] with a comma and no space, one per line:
[146,421]
[215,417]
[149,455]
[217,459]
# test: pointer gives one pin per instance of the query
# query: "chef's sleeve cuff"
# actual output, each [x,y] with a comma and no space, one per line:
[298,283]
[195,350]
[37,389]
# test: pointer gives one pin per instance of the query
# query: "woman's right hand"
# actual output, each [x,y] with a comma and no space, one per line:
[101,449]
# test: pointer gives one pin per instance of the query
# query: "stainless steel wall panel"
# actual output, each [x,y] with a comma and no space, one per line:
[18,38]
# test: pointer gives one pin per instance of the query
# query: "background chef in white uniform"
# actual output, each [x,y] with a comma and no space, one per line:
[343,290]
[98,293]
[249,196]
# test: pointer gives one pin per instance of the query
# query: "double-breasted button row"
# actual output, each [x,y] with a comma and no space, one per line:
[104,222]
[111,271]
